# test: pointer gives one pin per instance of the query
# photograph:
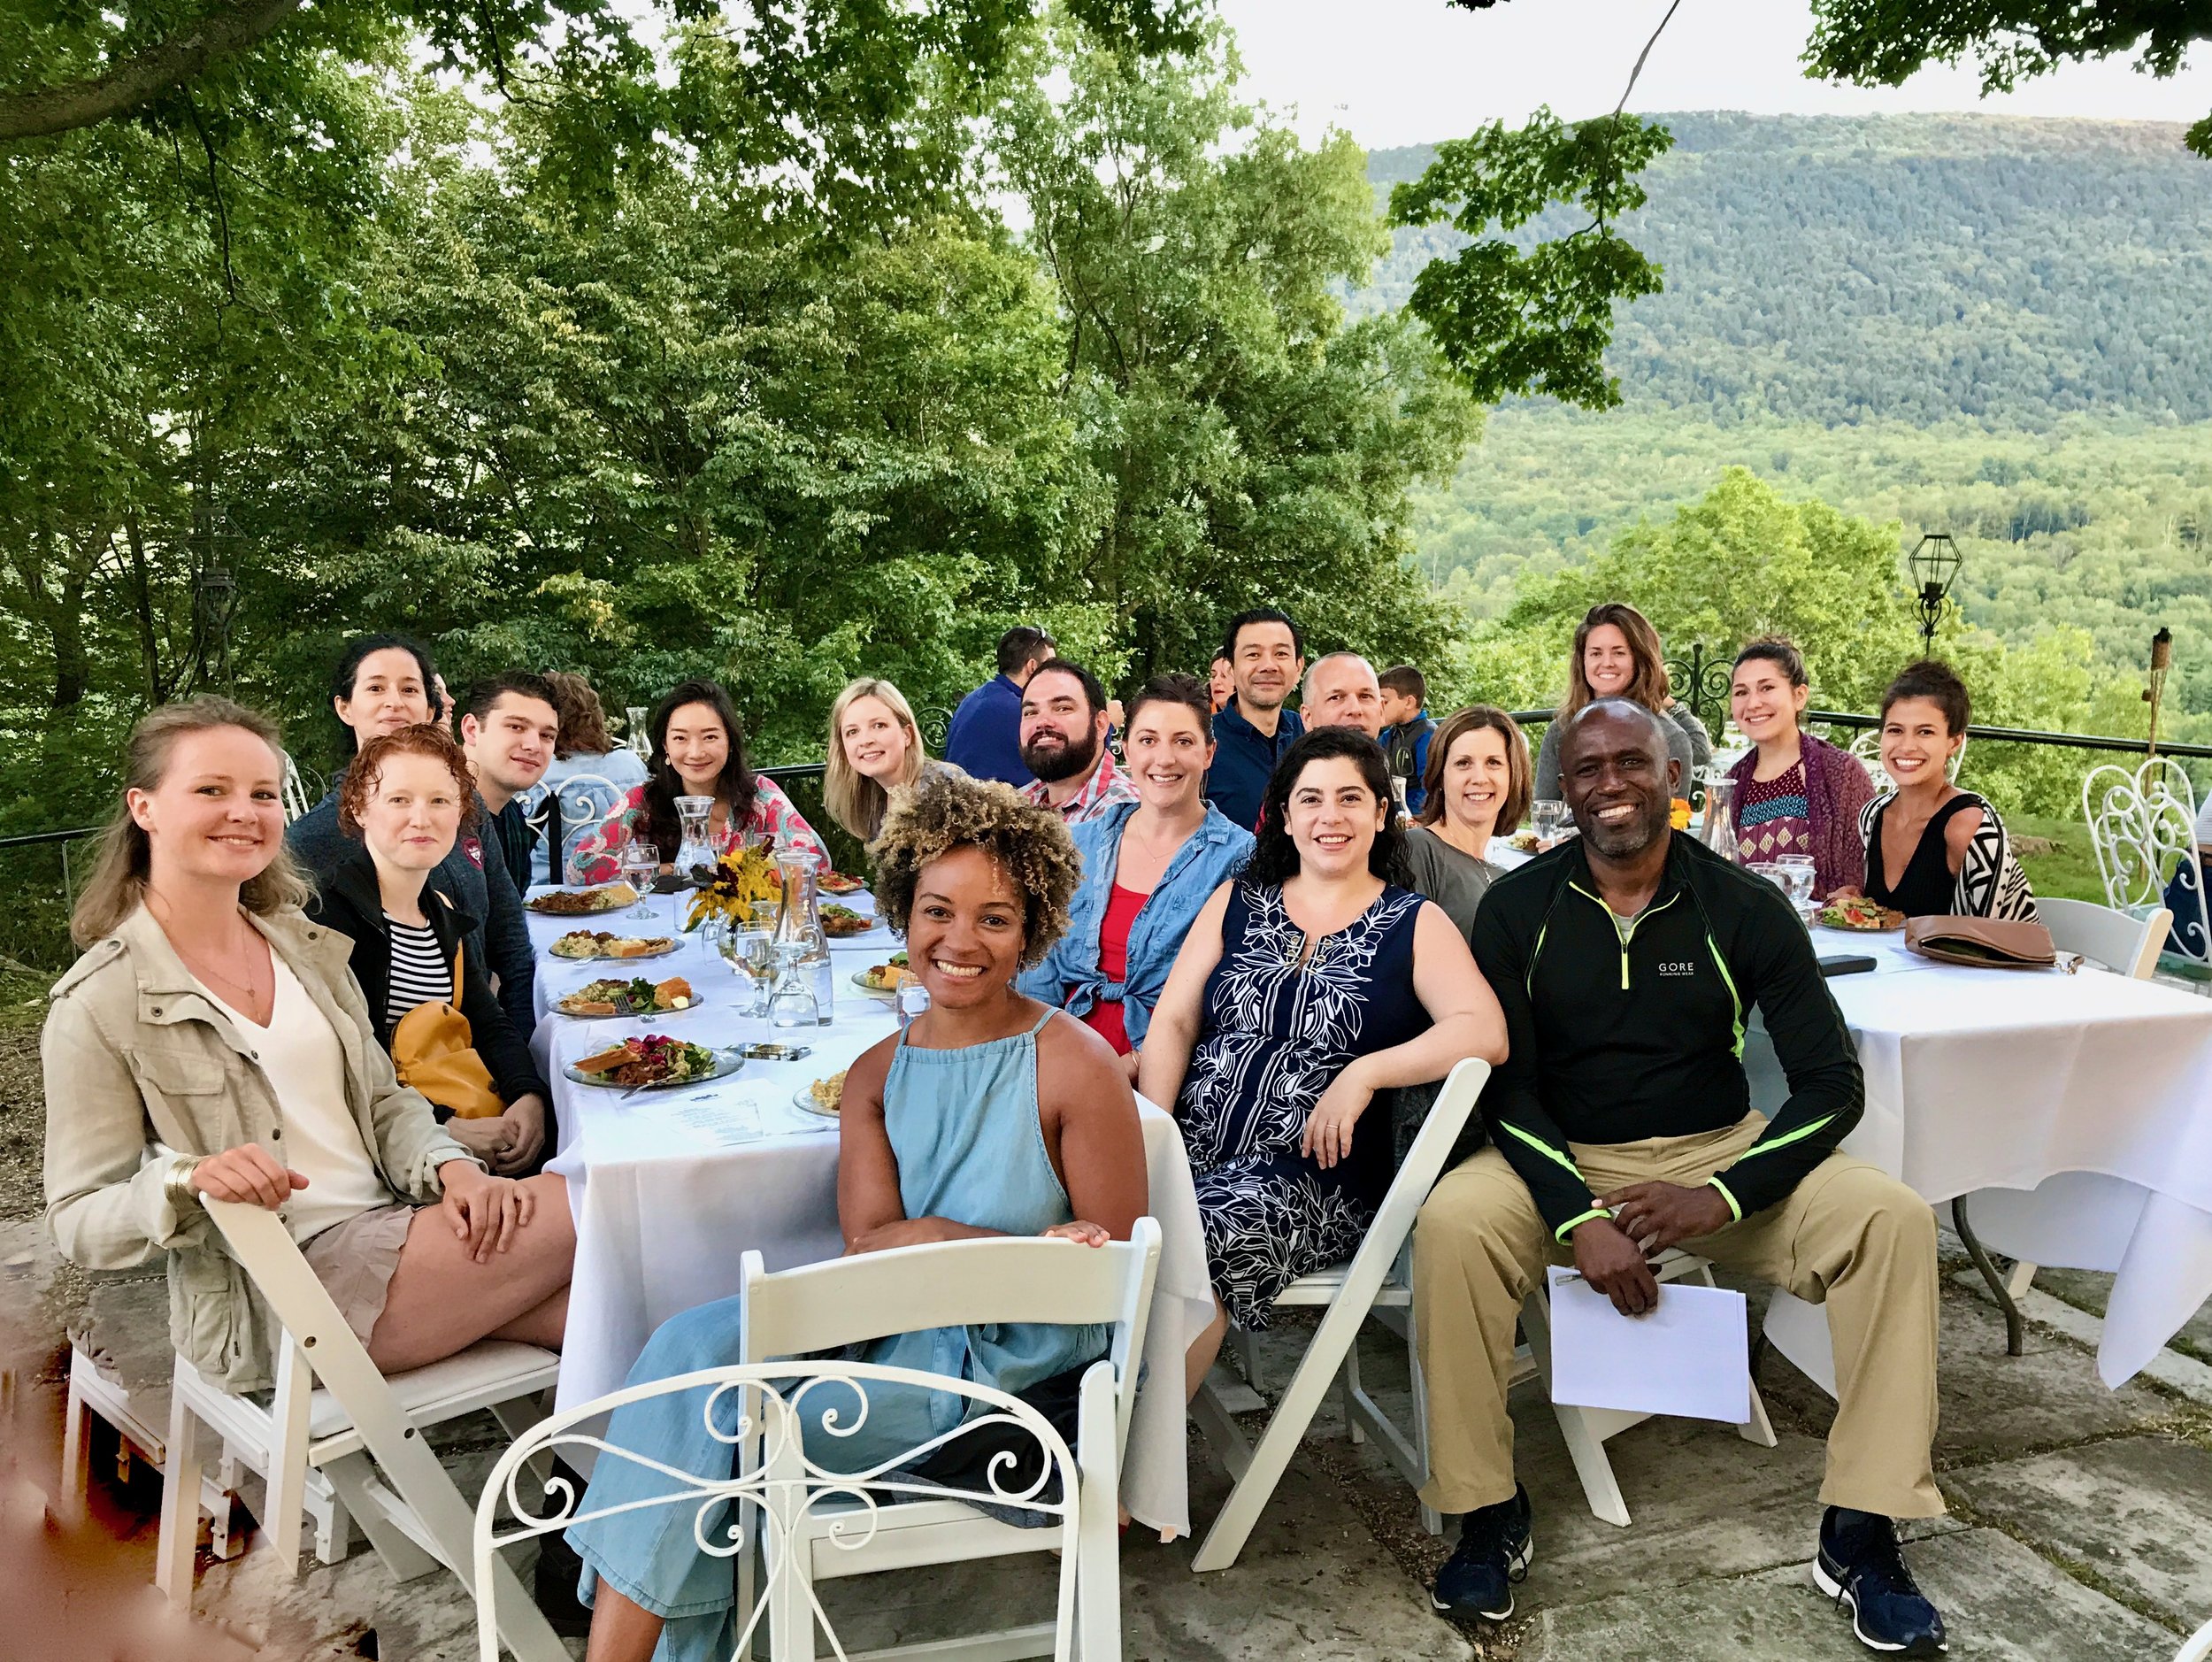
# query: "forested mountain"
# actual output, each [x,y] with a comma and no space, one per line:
[1997,327]
[1911,268]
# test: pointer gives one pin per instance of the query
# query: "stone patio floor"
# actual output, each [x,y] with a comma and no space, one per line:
[2081,1524]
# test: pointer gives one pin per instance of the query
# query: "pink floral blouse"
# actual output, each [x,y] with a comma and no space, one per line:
[598,855]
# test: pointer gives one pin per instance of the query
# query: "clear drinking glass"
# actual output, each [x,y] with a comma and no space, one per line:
[792,1004]
[1797,881]
[1547,815]
[641,864]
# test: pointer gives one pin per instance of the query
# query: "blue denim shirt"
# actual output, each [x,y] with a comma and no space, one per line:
[1069,975]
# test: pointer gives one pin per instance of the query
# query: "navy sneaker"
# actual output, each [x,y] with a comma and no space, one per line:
[1496,1547]
[1860,1565]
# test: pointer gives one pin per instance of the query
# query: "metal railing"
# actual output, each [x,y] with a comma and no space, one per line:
[2007,735]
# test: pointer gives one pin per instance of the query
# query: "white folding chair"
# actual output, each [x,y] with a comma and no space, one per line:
[780,1504]
[92,1396]
[821,1306]
[1376,1278]
[2197,1647]
[296,798]
[2142,827]
[1587,1430]
[405,1502]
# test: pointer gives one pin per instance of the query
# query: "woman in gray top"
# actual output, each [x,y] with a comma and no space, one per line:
[1477,786]
[1616,656]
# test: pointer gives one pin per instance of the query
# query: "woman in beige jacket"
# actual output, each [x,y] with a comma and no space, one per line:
[211,1040]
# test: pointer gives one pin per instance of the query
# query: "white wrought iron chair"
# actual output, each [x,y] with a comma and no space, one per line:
[821,1306]
[775,1501]
[2197,1647]
[1378,1279]
[363,1432]
[583,801]
[2142,827]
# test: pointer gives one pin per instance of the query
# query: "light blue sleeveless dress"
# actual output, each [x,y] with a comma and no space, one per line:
[964,1126]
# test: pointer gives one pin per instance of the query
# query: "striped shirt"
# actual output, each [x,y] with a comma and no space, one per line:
[421,976]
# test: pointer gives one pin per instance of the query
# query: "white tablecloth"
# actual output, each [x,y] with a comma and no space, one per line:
[671,1188]
[2076,1110]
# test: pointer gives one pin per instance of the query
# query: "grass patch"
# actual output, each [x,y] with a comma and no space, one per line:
[2069,871]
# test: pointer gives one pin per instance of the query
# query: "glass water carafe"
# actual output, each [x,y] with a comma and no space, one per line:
[1719,833]
[798,925]
[695,858]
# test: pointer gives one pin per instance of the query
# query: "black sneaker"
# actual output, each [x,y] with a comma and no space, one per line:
[1496,1547]
[1860,1565]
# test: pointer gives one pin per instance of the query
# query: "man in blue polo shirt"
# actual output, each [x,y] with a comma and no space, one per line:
[1266,655]
[986,734]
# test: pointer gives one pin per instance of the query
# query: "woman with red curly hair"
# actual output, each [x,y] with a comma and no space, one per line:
[405,800]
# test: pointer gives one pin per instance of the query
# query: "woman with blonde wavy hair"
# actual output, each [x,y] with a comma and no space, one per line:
[875,748]
[211,1042]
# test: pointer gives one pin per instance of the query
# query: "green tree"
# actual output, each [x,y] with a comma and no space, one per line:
[1245,446]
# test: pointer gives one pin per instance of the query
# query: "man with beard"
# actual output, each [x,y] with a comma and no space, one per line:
[1265,654]
[1342,690]
[1628,961]
[1064,744]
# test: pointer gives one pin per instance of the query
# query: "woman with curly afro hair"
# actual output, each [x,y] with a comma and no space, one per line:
[992,1115]
[1308,983]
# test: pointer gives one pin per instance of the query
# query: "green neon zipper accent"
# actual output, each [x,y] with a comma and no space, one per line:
[1626,935]
[1528,982]
[1543,1147]
[1727,1195]
[1798,1135]
[1728,980]
[1561,1234]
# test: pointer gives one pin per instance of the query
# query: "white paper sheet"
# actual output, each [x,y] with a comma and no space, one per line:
[1691,1356]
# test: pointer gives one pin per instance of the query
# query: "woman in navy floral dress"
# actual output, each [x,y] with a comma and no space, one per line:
[1306,985]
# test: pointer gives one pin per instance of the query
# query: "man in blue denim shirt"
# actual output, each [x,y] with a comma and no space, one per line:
[1266,655]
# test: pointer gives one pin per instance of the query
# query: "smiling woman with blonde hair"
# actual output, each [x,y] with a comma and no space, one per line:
[875,748]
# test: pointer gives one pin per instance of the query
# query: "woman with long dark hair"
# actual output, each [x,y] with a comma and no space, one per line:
[1617,655]
[1795,793]
[698,751]
[1305,986]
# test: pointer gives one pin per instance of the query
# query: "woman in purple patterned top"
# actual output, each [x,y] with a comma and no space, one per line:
[1794,794]
[698,751]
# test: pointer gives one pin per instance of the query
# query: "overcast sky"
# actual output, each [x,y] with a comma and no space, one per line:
[1404,71]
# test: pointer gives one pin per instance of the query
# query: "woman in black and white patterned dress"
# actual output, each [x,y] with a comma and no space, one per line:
[1306,985]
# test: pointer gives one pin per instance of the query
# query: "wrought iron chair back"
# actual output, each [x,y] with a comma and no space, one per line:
[569,809]
[2142,827]
[297,793]
[763,1506]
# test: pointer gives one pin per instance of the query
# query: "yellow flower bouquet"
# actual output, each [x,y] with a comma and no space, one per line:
[743,877]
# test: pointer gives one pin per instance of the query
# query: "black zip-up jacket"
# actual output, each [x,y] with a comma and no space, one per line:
[351,903]
[1623,1031]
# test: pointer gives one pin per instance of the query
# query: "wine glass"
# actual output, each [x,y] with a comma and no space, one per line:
[793,1003]
[638,720]
[1548,815]
[641,864]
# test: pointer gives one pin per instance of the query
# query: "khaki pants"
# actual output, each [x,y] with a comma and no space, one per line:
[1847,1237]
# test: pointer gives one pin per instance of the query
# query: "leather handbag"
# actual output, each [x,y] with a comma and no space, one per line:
[1984,942]
[434,1052]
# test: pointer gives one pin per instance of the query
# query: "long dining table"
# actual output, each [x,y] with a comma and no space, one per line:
[670,1187]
